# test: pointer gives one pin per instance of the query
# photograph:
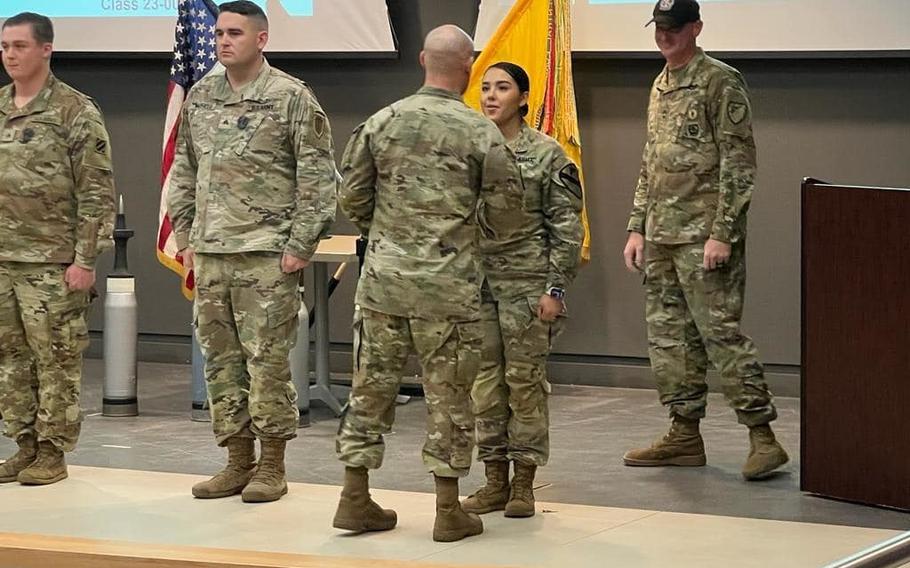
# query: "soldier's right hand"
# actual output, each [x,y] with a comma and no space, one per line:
[187,255]
[634,253]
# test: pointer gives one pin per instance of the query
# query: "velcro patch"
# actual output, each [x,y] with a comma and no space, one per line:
[569,179]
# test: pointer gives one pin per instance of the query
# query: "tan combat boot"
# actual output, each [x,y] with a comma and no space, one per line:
[236,474]
[765,453]
[27,454]
[49,467]
[495,494]
[452,523]
[268,482]
[356,510]
[682,446]
[521,498]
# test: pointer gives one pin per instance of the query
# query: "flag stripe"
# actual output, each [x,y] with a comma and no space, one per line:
[194,57]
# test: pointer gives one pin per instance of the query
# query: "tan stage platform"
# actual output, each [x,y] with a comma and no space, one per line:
[111,518]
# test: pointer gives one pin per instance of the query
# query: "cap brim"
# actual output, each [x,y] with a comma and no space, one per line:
[665,23]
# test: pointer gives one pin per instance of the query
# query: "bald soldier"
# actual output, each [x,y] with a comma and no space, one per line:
[417,176]
[56,216]
[252,192]
[687,232]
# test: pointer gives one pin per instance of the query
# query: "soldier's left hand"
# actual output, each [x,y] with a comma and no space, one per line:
[291,264]
[717,253]
[78,278]
[549,308]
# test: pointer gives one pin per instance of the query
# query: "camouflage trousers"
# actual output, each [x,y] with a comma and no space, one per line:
[449,355]
[693,317]
[42,336]
[511,389]
[246,323]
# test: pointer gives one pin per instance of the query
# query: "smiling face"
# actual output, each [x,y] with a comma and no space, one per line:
[677,44]
[500,97]
[24,57]
[239,40]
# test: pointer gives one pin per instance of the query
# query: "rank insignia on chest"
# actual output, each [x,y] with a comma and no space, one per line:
[27,135]
[243,122]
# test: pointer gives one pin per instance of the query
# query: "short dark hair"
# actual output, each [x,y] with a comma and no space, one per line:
[245,8]
[42,28]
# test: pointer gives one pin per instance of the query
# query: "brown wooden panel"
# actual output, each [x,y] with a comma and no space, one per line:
[856,344]
[41,551]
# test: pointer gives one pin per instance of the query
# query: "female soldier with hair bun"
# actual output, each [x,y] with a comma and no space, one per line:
[527,272]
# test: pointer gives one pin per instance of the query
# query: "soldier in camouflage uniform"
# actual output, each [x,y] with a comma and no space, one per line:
[56,216]
[523,302]
[252,192]
[690,206]
[417,175]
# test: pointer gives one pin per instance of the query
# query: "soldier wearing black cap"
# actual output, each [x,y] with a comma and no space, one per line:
[690,208]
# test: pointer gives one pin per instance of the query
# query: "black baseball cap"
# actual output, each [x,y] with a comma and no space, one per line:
[674,13]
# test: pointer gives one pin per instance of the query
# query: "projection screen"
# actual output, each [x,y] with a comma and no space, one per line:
[736,25]
[308,26]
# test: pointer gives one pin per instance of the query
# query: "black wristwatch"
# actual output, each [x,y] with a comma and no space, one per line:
[558,293]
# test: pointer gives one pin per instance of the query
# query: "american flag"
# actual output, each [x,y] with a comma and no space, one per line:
[194,56]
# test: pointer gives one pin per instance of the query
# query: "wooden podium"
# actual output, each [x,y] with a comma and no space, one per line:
[856,343]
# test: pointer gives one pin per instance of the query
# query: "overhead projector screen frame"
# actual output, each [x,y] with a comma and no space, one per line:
[738,29]
[319,29]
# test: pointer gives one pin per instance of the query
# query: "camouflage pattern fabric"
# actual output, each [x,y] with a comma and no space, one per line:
[698,169]
[511,389]
[57,209]
[543,246]
[417,176]
[42,336]
[694,317]
[246,323]
[449,355]
[543,250]
[57,181]
[254,169]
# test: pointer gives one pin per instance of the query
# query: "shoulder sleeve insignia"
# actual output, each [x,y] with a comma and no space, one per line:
[569,179]
[736,112]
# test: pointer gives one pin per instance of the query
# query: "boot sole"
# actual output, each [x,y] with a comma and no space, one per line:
[483,510]
[680,461]
[219,494]
[33,481]
[257,497]
[9,478]
[358,526]
[758,476]
[519,514]
[455,535]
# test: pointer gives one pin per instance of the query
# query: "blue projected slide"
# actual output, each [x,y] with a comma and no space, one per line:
[123,8]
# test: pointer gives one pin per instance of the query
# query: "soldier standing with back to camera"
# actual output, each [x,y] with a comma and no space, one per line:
[687,232]
[417,175]
[253,191]
[56,216]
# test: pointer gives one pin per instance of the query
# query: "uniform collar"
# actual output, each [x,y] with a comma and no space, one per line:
[437,92]
[683,77]
[252,91]
[522,143]
[38,104]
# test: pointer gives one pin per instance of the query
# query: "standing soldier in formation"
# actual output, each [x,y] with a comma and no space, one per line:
[527,272]
[417,176]
[56,216]
[253,191]
[690,207]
